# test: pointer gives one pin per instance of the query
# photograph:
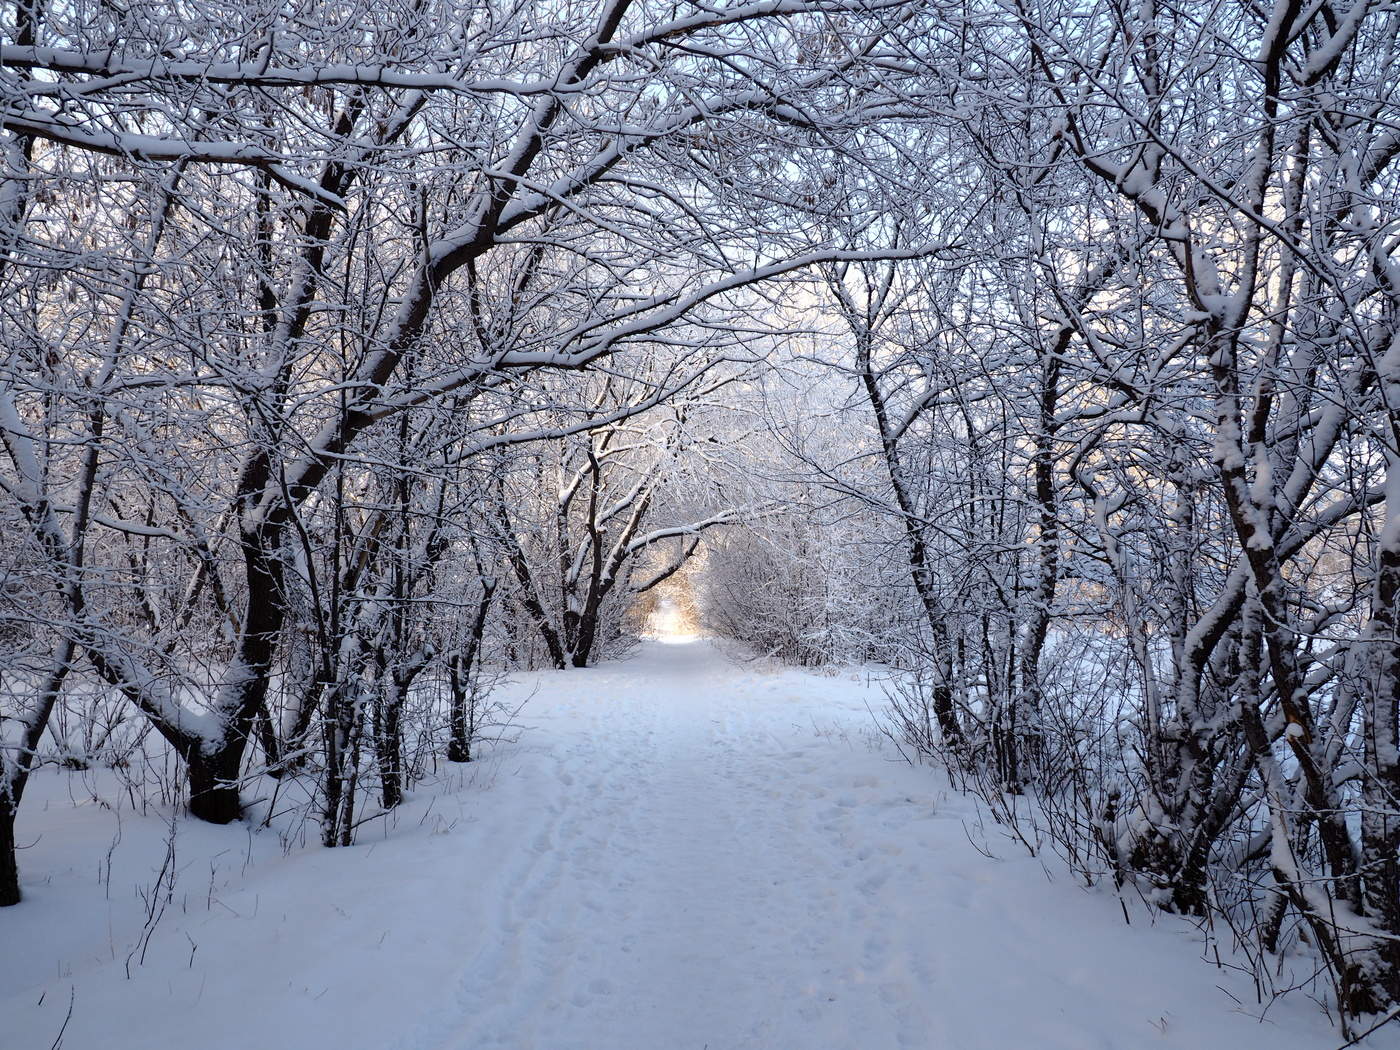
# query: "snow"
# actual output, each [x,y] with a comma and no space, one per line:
[673,851]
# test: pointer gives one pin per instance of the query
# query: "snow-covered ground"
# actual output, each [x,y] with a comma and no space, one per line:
[675,852]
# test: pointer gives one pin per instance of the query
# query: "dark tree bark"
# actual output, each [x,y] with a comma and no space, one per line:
[213,779]
[9,866]
[916,548]
[462,714]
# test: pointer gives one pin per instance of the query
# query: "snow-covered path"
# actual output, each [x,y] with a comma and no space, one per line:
[677,853]
[695,879]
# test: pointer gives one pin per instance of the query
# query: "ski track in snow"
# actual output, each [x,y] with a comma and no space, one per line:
[677,853]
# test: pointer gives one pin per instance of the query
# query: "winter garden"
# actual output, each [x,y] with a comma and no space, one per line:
[764,523]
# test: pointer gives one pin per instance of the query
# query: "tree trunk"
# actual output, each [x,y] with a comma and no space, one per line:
[267,738]
[296,739]
[1380,791]
[587,637]
[462,715]
[213,769]
[389,744]
[461,725]
[920,566]
[214,783]
[9,867]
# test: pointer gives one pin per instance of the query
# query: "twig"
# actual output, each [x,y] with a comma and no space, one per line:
[1379,1024]
[58,1039]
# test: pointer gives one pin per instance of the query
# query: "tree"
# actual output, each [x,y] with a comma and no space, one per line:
[577,516]
[336,219]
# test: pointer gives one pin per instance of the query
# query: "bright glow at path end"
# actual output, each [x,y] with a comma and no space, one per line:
[670,625]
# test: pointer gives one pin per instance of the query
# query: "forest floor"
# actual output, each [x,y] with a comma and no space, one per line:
[670,852]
